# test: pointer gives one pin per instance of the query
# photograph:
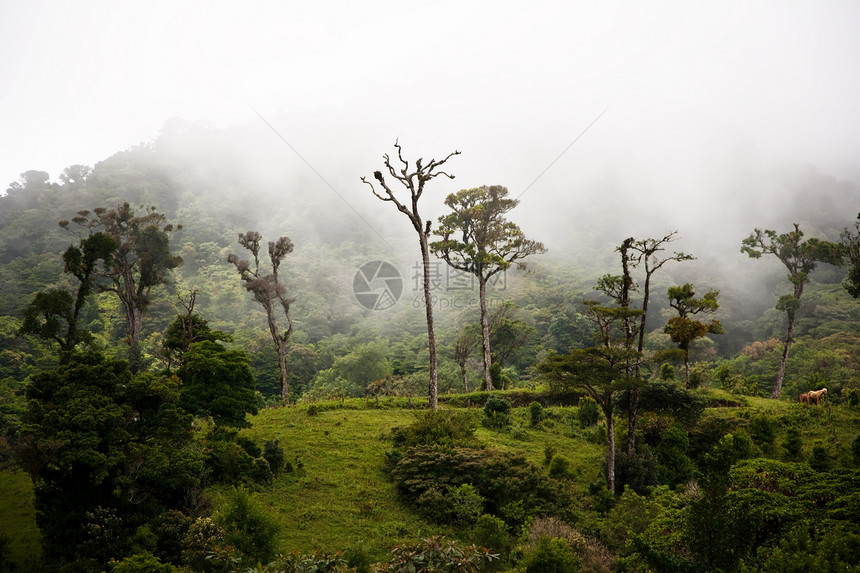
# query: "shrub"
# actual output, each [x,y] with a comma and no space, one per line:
[248,527]
[667,371]
[763,431]
[274,454]
[638,470]
[437,554]
[142,563]
[855,449]
[673,465]
[548,453]
[559,467]
[202,537]
[497,412]
[551,555]
[261,471]
[461,505]
[792,443]
[358,559]
[820,459]
[536,413]
[588,413]
[492,533]
[435,427]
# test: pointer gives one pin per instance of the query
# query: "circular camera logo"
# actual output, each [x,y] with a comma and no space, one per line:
[377,285]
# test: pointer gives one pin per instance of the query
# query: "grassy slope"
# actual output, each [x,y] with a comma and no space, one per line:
[18,517]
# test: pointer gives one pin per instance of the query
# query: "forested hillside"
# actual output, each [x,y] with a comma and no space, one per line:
[646,371]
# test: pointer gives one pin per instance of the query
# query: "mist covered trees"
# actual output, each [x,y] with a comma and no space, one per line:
[141,261]
[684,329]
[477,238]
[413,179]
[270,293]
[800,257]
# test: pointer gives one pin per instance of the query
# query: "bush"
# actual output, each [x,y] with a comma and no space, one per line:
[559,467]
[248,527]
[763,431]
[274,454]
[202,537]
[855,449]
[435,427]
[497,412]
[588,413]
[461,505]
[792,443]
[492,533]
[820,459]
[551,555]
[142,563]
[437,554]
[536,413]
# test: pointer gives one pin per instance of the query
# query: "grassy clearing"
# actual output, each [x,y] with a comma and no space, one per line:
[340,497]
[18,518]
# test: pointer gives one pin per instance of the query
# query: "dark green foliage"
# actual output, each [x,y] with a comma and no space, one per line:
[548,453]
[143,563]
[491,532]
[551,555]
[667,372]
[559,467]
[218,383]
[673,465]
[588,413]
[497,412]
[503,480]
[437,554]
[813,547]
[358,559]
[97,441]
[248,527]
[637,470]
[792,443]
[763,431]
[535,413]
[435,427]
[855,449]
[170,530]
[274,454]
[460,505]
[665,397]
[820,459]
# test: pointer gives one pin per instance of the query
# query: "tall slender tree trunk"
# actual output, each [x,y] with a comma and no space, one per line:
[632,419]
[780,375]
[485,332]
[282,366]
[687,368]
[610,445]
[431,335]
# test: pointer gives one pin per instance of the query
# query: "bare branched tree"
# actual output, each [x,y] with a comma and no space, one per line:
[269,292]
[413,179]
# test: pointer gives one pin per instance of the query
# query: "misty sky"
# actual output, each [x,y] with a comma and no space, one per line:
[689,90]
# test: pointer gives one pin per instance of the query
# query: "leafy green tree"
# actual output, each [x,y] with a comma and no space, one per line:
[184,331]
[601,371]
[270,293]
[684,330]
[414,182]
[478,239]
[54,314]
[850,242]
[800,258]
[142,261]
[650,258]
[97,440]
[464,344]
[218,383]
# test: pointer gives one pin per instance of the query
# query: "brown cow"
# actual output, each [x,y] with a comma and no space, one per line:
[803,398]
